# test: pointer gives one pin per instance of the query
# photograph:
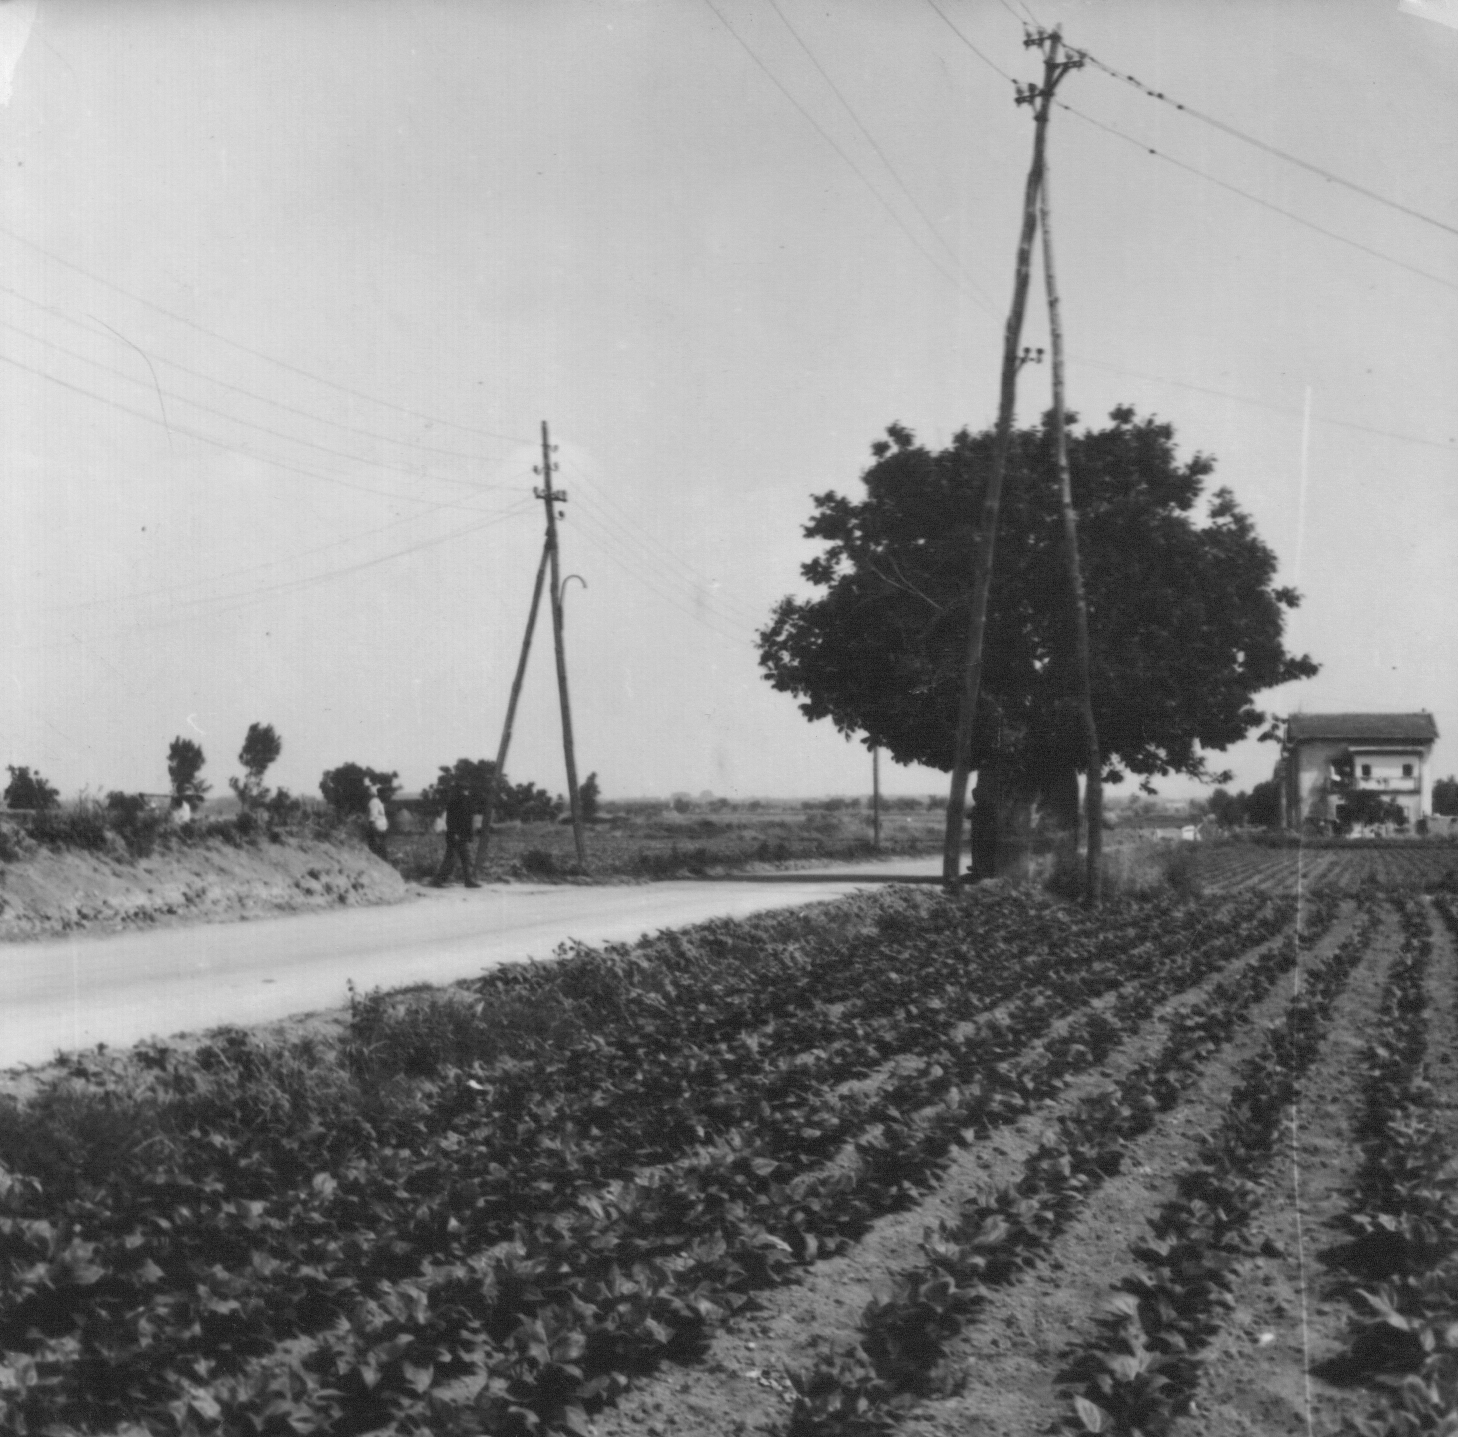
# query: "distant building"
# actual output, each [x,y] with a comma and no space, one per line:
[1327,757]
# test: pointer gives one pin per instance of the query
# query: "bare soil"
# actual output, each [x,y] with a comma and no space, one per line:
[47,893]
[1011,1354]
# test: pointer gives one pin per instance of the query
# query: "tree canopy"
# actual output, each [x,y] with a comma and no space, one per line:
[524,801]
[346,788]
[29,790]
[185,760]
[261,747]
[1186,620]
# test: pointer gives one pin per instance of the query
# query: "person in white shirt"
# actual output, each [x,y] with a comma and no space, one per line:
[378,824]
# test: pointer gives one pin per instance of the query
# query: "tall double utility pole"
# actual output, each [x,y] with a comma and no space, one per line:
[548,567]
[1093,759]
[1041,98]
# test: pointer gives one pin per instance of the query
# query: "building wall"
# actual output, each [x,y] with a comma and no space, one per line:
[1310,777]
[1311,796]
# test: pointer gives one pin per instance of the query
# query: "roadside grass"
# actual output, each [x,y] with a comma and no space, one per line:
[130,831]
[666,847]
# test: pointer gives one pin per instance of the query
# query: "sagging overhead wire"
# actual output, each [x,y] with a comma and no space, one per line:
[955,278]
[217,605]
[687,599]
[1280,154]
[628,532]
[990,63]
[202,438]
[1256,199]
[1449,444]
[256,353]
[181,368]
[607,551]
[871,140]
[412,473]
[111,601]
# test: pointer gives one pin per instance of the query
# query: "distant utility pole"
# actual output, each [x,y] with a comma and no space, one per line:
[550,562]
[1041,98]
[876,796]
[1094,790]
[550,498]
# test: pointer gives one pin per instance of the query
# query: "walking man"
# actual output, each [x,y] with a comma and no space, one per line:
[457,835]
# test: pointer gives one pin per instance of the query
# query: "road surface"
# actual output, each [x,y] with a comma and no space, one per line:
[118,989]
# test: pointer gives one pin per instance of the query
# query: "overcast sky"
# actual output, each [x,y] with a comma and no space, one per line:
[287,289]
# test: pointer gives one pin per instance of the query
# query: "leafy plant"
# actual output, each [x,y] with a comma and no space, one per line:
[29,790]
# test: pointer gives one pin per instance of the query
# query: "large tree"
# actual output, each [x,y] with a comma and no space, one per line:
[1186,620]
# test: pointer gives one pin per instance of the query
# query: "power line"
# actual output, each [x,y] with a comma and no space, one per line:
[649,548]
[654,578]
[871,140]
[238,389]
[238,419]
[955,279]
[705,616]
[1269,149]
[697,588]
[231,603]
[1448,445]
[255,353]
[992,64]
[652,588]
[1256,199]
[230,448]
[137,597]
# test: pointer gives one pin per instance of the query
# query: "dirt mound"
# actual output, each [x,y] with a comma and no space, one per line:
[46,893]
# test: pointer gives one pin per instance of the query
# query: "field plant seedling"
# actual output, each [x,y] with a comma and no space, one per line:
[1399,1263]
[903,1353]
[490,1211]
[498,1207]
[1141,1372]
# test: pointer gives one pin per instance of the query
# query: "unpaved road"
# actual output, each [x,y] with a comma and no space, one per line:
[72,993]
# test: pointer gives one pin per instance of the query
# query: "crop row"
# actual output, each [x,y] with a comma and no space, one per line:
[1141,1370]
[1229,867]
[903,1353]
[1399,1263]
[482,1279]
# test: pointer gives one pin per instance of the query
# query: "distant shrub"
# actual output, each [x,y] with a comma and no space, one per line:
[80,825]
[541,862]
[1133,870]
[29,790]
[135,821]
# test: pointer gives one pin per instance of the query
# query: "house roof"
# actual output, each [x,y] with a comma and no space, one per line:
[1358,728]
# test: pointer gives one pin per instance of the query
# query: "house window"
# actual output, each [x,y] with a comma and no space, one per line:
[1366,770]
[1407,770]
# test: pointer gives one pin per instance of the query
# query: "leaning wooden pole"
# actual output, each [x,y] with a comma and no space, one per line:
[498,775]
[1094,790]
[1042,100]
[551,497]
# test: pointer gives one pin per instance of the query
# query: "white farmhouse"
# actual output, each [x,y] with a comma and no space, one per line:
[1327,756]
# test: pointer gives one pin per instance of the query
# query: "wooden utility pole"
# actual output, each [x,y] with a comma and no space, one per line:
[1094,790]
[551,497]
[1041,99]
[876,796]
[498,775]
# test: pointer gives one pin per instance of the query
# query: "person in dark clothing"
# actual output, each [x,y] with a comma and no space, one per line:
[458,816]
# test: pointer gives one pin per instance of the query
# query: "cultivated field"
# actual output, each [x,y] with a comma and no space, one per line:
[1229,867]
[898,1163]
[669,845]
